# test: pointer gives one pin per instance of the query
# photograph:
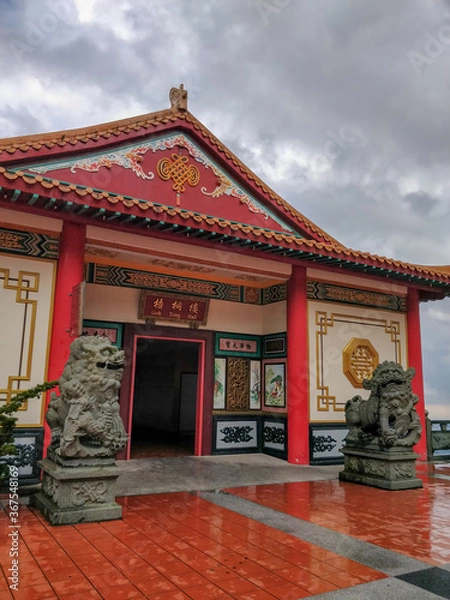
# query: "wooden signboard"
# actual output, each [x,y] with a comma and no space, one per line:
[173,307]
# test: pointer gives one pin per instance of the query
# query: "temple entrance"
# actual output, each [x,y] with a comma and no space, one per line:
[165,398]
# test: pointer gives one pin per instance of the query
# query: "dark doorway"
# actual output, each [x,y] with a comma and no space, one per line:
[165,398]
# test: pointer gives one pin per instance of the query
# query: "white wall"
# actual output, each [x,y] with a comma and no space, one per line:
[120,304]
[331,327]
[26,300]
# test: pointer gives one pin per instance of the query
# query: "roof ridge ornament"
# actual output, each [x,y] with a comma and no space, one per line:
[178,98]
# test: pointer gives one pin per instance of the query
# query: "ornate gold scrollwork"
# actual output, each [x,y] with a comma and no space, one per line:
[179,170]
[359,360]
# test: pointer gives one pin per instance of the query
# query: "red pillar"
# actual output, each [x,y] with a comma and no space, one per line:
[297,368]
[415,360]
[69,273]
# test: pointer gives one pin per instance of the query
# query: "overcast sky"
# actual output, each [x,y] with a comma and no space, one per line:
[341,106]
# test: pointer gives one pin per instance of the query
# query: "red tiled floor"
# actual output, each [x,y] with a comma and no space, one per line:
[174,547]
[420,515]
[121,592]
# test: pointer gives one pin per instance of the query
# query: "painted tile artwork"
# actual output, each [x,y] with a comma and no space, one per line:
[274,385]
[255,384]
[219,383]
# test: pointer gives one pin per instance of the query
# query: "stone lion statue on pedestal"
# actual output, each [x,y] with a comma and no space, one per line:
[388,416]
[84,419]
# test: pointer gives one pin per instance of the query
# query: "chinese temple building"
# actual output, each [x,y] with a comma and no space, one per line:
[245,326]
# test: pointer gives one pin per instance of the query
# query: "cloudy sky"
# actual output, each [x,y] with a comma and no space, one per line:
[340,106]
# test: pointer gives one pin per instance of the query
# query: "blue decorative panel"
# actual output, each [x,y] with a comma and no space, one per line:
[234,435]
[325,443]
[274,436]
[29,443]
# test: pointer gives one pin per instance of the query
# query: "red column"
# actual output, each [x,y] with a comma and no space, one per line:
[69,273]
[297,368]
[415,360]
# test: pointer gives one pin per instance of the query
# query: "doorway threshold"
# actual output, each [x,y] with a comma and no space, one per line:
[205,473]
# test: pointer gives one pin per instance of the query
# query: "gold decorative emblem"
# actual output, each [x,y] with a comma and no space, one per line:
[359,360]
[179,170]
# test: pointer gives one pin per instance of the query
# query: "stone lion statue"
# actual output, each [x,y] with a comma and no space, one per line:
[84,419]
[388,416]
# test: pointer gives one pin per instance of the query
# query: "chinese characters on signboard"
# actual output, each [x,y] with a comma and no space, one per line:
[171,307]
[237,345]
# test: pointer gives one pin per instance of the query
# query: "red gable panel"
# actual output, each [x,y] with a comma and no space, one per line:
[169,169]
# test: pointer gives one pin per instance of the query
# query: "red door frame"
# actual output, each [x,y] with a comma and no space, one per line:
[203,430]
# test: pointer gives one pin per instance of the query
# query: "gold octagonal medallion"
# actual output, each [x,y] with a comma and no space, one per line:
[359,360]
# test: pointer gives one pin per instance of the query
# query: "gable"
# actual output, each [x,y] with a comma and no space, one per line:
[168,169]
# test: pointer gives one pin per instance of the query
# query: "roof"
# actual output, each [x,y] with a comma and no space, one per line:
[19,150]
[45,193]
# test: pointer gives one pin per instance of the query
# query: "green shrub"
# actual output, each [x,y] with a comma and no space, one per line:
[8,422]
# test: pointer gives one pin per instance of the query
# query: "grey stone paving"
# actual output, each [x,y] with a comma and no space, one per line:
[370,555]
[192,473]
[211,474]
[392,589]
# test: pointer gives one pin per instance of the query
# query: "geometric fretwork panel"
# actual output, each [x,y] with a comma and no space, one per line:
[238,383]
[359,360]
[26,294]
[346,343]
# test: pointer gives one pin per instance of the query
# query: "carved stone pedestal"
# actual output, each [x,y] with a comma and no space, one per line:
[387,468]
[78,490]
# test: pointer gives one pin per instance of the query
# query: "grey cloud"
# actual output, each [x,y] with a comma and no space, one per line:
[307,73]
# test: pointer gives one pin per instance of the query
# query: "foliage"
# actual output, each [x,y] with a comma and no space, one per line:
[8,422]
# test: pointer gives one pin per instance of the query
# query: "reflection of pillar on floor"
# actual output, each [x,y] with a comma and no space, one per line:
[297,368]
[69,273]
[415,360]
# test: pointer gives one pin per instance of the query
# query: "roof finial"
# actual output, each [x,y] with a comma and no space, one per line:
[178,98]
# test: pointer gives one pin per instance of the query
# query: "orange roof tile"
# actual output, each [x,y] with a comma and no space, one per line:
[283,239]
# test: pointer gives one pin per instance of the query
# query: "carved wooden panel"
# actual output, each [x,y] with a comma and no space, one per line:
[238,383]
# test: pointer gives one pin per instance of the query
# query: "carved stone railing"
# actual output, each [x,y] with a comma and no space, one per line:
[438,440]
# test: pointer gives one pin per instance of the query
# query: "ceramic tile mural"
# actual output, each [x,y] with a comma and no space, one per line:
[220,367]
[274,385]
[255,384]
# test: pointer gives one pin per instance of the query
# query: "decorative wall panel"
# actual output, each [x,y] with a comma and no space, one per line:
[274,385]
[255,385]
[325,442]
[359,361]
[274,293]
[236,435]
[274,345]
[318,290]
[27,243]
[331,331]
[134,278]
[220,374]
[26,298]
[29,443]
[238,383]
[274,436]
